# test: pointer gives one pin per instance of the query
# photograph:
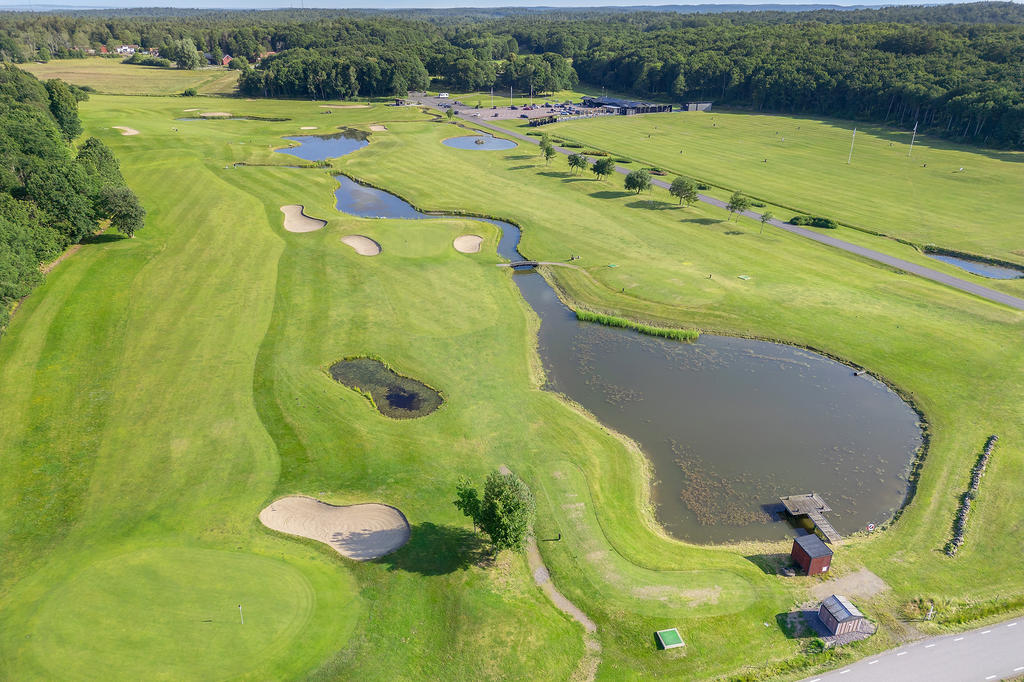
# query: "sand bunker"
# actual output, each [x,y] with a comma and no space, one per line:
[296,220]
[125,130]
[344,106]
[215,114]
[308,128]
[190,109]
[360,531]
[378,128]
[364,246]
[468,243]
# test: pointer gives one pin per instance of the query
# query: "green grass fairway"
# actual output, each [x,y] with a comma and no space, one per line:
[156,393]
[978,211]
[110,76]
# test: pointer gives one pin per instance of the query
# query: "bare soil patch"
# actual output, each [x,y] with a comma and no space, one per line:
[296,220]
[378,128]
[125,130]
[308,128]
[364,246]
[468,243]
[862,583]
[360,531]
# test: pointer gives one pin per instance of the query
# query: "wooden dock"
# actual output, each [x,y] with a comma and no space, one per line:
[813,507]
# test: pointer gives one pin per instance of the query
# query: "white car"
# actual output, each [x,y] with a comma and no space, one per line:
[443,95]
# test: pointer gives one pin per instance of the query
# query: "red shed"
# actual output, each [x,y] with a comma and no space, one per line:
[840,616]
[813,555]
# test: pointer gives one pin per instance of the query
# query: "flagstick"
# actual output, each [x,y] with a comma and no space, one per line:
[850,157]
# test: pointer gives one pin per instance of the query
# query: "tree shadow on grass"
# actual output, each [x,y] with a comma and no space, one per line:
[554,174]
[439,550]
[609,194]
[522,167]
[519,157]
[104,238]
[651,205]
[701,221]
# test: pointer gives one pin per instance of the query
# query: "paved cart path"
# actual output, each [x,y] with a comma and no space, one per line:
[864,252]
[991,653]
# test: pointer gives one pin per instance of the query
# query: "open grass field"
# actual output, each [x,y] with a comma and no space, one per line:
[157,392]
[110,76]
[923,199]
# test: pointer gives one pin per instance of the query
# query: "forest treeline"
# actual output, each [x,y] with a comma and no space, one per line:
[952,70]
[52,192]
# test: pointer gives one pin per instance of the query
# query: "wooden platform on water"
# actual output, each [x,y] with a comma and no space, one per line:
[813,507]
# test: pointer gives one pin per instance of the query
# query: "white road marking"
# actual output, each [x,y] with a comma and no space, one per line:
[986,632]
[843,672]
[1017,670]
[902,653]
[991,677]
[928,646]
[1010,625]
[873,662]
[958,639]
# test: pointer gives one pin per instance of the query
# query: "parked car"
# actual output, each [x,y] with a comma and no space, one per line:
[514,108]
[523,116]
[443,95]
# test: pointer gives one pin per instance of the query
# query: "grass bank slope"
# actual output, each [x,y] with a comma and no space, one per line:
[924,198]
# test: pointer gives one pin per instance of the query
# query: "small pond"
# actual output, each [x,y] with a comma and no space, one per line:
[728,424]
[394,395]
[482,142]
[323,147]
[978,267]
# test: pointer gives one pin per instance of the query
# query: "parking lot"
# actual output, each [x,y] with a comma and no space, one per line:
[467,109]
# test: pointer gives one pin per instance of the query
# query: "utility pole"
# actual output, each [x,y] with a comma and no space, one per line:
[510,95]
[850,157]
[912,140]
[242,617]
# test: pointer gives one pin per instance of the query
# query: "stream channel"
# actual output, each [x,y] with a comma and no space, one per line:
[728,424]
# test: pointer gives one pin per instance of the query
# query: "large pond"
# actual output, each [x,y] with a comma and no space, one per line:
[728,424]
[978,267]
[323,147]
[481,142]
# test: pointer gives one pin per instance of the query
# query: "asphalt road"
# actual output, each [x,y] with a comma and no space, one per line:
[991,653]
[877,256]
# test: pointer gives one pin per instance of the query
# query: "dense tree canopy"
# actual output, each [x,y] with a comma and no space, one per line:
[953,70]
[50,195]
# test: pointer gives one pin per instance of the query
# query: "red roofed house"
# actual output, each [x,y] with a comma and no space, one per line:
[225,60]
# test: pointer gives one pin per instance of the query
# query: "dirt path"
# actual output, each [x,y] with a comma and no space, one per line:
[864,252]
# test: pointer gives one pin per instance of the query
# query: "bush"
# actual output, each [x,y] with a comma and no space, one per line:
[622,160]
[190,92]
[572,145]
[702,187]
[650,330]
[147,60]
[654,170]
[757,204]
[814,221]
[594,152]
[534,133]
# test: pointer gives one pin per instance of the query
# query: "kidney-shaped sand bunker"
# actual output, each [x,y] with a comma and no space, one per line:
[359,531]
[296,220]
[364,246]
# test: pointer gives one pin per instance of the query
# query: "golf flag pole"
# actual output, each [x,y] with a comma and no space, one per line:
[242,617]
[850,157]
[912,140]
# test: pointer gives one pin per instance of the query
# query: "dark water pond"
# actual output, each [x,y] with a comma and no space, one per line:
[394,395]
[728,424]
[978,267]
[322,147]
[482,142]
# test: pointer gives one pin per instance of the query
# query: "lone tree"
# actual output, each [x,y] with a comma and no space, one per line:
[549,153]
[766,217]
[577,162]
[450,113]
[638,180]
[737,203]
[123,208]
[505,512]
[603,167]
[685,190]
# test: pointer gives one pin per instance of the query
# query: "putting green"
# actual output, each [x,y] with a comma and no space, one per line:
[171,613]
